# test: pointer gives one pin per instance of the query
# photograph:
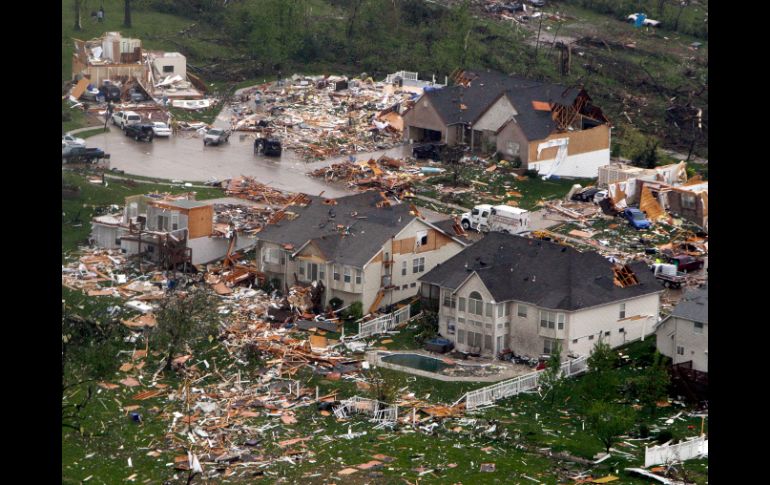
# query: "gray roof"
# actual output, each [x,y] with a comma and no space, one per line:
[694,305]
[541,273]
[368,227]
[490,85]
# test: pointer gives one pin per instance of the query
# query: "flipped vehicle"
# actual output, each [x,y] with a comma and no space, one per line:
[645,21]
[143,132]
[71,140]
[161,129]
[636,218]
[270,147]
[585,195]
[428,150]
[216,136]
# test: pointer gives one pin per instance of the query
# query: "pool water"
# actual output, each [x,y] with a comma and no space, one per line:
[416,361]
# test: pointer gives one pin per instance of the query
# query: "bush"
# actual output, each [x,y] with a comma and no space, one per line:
[335,303]
[644,431]
[354,312]
[531,174]
[664,436]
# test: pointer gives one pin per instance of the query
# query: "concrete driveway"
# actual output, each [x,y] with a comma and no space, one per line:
[183,157]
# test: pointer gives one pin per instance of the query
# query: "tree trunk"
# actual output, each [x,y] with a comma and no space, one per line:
[78,25]
[127,13]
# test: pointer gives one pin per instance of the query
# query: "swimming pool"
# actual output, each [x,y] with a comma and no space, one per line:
[416,361]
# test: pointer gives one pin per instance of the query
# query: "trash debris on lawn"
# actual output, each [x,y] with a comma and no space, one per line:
[388,174]
[324,116]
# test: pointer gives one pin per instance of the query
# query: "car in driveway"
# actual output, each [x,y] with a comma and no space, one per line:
[636,218]
[140,131]
[125,118]
[70,140]
[585,195]
[428,150]
[216,136]
[161,129]
[686,263]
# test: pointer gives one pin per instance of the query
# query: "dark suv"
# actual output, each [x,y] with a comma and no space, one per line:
[270,147]
[428,150]
[140,131]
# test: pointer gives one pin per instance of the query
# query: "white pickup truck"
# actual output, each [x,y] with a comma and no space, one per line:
[499,218]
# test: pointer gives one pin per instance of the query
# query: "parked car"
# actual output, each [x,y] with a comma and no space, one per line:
[537,3]
[110,92]
[216,136]
[600,196]
[428,150]
[140,131]
[270,147]
[78,154]
[72,141]
[136,95]
[636,218]
[645,21]
[161,129]
[686,263]
[586,194]
[125,118]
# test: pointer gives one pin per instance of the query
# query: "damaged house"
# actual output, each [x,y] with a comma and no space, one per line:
[658,191]
[528,295]
[168,230]
[553,129]
[364,247]
[683,336]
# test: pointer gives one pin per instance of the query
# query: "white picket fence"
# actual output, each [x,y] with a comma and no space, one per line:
[658,455]
[383,323]
[512,387]
[412,76]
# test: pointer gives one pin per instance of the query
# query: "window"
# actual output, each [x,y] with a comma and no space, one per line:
[621,330]
[403,268]
[405,287]
[622,310]
[475,304]
[413,285]
[346,274]
[461,304]
[488,326]
[358,276]
[475,323]
[488,342]
[321,272]
[272,255]
[574,340]
[679,350]
[697,327]
[418,265]
[507,309]
[301,268]
[548,346]
[461,336]
[422,238]
[488,310]
[688,201]
[450,300]
[500,310]
[607,333]
[336,273]
[168,68]
[499,326]
[590,337]
[552,320]
[521,310]
[461,320]
[450,326]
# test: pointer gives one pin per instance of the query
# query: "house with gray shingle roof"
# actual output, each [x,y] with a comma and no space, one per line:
[684,335]
[516,117]
[509,292]
[365,247]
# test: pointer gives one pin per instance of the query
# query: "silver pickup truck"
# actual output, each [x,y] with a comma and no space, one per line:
[215,136]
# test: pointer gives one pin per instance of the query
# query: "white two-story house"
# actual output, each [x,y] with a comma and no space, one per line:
[508,292]
[362,247]
[684,335]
